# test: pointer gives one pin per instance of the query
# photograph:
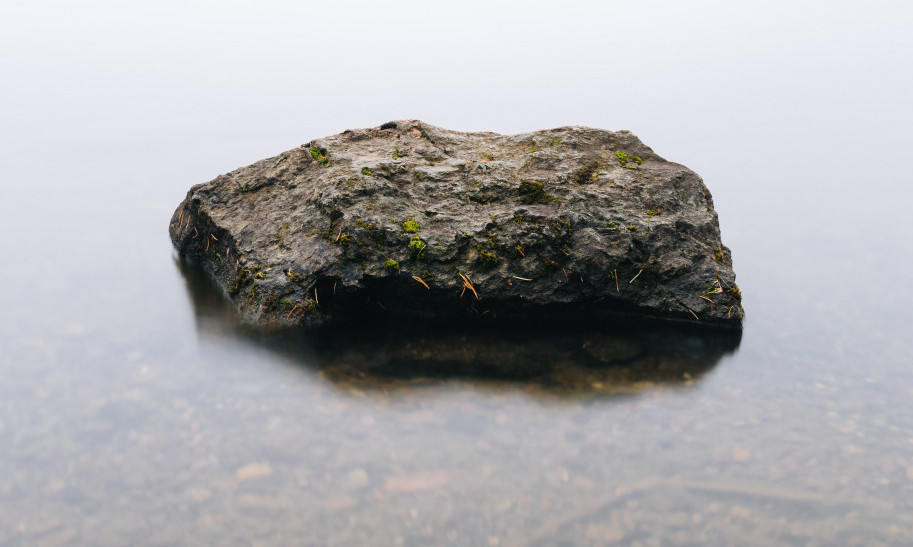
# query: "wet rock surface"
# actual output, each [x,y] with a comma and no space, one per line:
[411,219]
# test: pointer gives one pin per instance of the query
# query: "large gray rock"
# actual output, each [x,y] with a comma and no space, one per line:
[409,218]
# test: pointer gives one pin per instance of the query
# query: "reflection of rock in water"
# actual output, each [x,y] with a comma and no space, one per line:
[621,355]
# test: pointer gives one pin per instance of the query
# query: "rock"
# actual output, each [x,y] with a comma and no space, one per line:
[417,220]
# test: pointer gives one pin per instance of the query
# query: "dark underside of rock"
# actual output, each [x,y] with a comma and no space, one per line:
[412,219]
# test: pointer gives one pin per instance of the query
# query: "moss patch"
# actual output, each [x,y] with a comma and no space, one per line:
[735,292]
[411,227]
[487,258]
[320,156]
[241,280]
[628,161]
[245,277]
[391,265]
[417,246]
[293,276]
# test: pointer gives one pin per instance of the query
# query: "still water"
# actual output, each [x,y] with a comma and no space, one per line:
[135,409]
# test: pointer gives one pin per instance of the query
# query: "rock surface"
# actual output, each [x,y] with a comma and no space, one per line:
[408,218]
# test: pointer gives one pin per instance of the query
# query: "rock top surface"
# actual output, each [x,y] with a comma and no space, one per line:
[408,218]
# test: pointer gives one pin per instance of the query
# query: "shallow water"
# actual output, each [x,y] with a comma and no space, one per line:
[134,409]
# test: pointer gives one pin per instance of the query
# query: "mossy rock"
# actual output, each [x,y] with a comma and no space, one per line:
[504,226]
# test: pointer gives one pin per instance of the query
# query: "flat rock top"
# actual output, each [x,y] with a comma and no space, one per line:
[411,218]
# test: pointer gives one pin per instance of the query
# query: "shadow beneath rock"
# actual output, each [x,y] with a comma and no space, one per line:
[584,357]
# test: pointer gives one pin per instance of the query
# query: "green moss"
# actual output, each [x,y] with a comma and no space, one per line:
[626,159]
[551,264]
[417,246]
[391,265]
[718,254]
[241,280]
[556,141]
[586,174]
[345,239]
[488,156]
[411,227]
[320,157]
[652,213]
[528,220]
[486,258]
[293,277]
[366,171]
[366,225]
[562,225]
[712,287]
[397,154]
[735,292]
[632,228]
[611,225]
[419,175]
[534,192]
